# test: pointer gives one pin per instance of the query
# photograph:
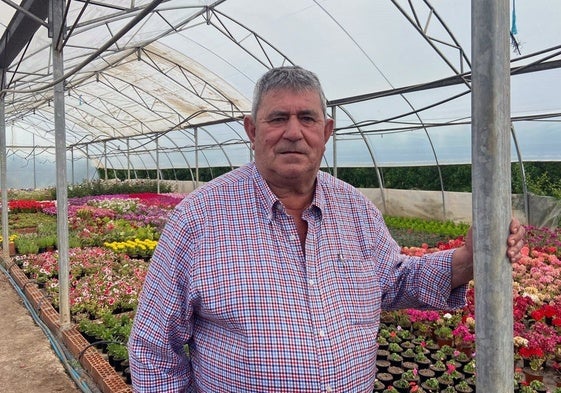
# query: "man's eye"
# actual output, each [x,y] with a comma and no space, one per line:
[307,119]
[276,120]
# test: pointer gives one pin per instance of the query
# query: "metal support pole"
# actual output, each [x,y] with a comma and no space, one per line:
[105,159]
[492,194]
[334,138]
[34,164]
[158,174]
[128,159]
[196,135]
[72,165]
[4,176]
[56,26]
[87,163]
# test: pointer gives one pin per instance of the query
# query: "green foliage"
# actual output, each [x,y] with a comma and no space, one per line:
[31,220]
[31,195]
[445,228]
[205,174]
[100,187]
[27,243]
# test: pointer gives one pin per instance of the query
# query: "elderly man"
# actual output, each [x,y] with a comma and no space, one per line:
[272,277]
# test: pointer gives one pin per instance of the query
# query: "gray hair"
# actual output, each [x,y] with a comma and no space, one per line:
[290,77]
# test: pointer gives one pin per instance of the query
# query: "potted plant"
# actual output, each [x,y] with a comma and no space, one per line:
[385,378]
[461,357]
[402,385]
[534,359]
[469,367]
[425,374]
[27,244]
[411,375]
[382,365]
[526,389]
[463,387]
[443,335]
[394,347]
[446,380]
[382,343]
[438,367]
[395,359]
[422,360]
[378,386]
[408,354]
[538,386]
[431,385]
[117,353]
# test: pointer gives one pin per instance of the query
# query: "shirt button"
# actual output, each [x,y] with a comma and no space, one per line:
[328,389]
[312,282]
[292,237]
[321,333]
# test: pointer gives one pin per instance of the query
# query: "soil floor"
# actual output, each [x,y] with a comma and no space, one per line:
[28,363]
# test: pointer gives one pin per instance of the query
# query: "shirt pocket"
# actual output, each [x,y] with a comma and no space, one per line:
[360,290]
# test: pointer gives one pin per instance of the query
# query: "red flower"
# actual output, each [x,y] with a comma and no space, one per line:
[450,368]
[530,352]
[537,315]
[545,311]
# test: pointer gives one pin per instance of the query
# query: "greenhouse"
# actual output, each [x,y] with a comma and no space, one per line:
[91,88]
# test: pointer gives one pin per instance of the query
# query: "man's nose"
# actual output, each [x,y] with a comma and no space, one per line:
[293,128]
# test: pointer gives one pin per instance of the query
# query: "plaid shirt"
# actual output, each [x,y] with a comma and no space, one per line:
[230,279]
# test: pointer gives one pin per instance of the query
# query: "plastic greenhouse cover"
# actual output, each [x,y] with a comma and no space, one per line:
[193,64]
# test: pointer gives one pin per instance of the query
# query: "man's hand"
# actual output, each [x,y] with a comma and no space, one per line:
[516,240]
[462,260]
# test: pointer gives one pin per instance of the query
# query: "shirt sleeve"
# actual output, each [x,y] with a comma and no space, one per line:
[423,282]
[163,321]
[420,282]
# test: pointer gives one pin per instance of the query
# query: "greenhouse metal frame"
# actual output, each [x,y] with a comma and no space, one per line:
[165,85]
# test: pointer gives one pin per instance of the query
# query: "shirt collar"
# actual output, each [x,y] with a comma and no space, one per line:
[269,200]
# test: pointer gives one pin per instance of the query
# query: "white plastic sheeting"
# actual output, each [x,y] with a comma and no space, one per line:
[187,64]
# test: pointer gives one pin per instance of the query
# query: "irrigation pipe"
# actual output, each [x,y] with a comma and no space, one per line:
[62,353]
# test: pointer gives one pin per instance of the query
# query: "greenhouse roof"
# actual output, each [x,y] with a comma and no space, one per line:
[167,82]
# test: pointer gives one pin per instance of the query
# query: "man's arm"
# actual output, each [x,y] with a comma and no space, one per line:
[462,260]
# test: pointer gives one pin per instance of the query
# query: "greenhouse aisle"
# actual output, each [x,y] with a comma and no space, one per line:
[28,363]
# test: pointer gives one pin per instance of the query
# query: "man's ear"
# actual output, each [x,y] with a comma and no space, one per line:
[249,126]
[328,129]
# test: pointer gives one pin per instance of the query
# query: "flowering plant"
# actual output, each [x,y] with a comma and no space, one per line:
[534,355]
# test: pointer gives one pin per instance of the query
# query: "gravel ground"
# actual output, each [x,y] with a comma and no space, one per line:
[28,364]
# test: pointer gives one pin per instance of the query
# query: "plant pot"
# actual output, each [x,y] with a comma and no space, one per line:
[382,365]
[127,375]
[378,386]
[423,363]
[407,345]
[443,341]
[437,370]
[385,378]
[445,383]
[429,389]
[396,361]
[532,375]
[395,371]
[463,389]
[409,365]
[382,354]
[12,248]
[426,373]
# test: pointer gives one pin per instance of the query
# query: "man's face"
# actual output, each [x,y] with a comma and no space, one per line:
[289,136]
